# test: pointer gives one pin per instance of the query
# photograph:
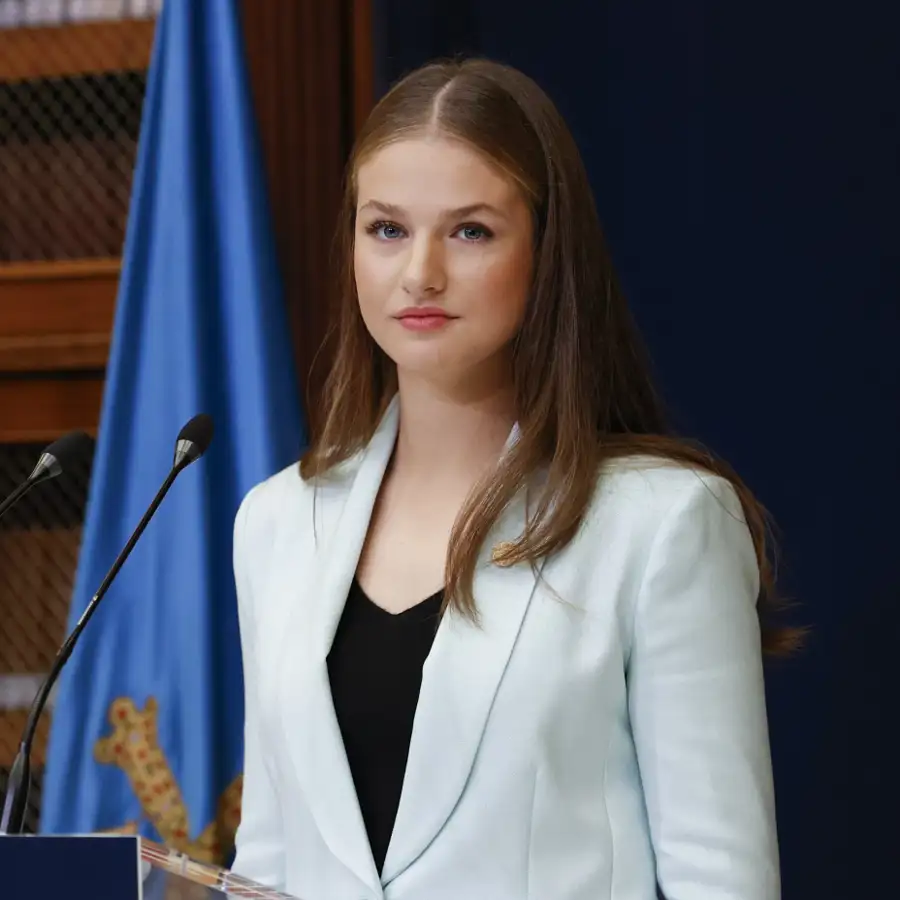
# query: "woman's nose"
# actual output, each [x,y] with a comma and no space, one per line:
[425,271]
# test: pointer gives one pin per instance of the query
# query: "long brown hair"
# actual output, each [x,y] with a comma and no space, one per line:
[583,385]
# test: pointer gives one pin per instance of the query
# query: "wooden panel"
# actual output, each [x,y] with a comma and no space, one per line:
[41,409]
[64,50]
[296,52]
[310,64]
[57,315]
[362,61]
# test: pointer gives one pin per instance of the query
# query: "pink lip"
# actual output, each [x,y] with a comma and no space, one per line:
[423,318]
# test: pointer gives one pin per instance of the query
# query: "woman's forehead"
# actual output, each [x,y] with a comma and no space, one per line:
[433,172]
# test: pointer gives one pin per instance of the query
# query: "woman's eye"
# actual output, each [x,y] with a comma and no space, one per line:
[474,233]
[386,231]
[390,231]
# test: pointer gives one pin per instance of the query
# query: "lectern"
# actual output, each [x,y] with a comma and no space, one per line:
[113,867]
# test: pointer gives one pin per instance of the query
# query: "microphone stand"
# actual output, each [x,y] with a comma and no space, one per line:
[20,491]
[19,785]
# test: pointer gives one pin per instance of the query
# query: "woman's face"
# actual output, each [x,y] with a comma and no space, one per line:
[443,259]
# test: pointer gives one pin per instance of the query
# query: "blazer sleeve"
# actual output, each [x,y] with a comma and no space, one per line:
[259,840]
[697,703]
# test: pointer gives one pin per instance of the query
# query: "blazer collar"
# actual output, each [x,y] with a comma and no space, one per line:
[459,680]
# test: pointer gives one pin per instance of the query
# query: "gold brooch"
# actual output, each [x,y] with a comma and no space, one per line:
[500,551]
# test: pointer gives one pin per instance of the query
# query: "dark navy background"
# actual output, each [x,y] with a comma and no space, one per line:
[746,162]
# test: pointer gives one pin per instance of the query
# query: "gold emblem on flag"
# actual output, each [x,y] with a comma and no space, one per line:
[134,747]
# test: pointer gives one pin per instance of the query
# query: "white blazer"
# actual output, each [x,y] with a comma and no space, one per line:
[571,747]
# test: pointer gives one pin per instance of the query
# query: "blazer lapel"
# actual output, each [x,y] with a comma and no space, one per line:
[314,737]
[459,681]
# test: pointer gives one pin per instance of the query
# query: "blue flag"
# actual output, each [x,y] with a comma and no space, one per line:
[147,725]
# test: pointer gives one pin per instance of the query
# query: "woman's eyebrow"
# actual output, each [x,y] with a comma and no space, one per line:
[391,209]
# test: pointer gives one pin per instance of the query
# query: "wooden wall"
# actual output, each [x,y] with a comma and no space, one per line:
[310,67]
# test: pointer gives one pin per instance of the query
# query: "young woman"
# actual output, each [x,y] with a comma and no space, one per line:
[502,636]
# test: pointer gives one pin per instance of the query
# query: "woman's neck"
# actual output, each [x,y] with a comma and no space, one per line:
[455,434]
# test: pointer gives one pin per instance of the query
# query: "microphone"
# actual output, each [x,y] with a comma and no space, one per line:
[59,456]
[193,441]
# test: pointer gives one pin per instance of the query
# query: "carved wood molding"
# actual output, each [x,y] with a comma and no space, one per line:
[57,316]
[54,351]
[55,269]
[39,410]
[58,51]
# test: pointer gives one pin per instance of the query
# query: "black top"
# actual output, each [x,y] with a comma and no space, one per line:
[375,670]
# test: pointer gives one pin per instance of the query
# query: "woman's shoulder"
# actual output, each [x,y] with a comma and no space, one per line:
[265,502]
[272,492]
[680,514]
[287,497]
[649,488]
